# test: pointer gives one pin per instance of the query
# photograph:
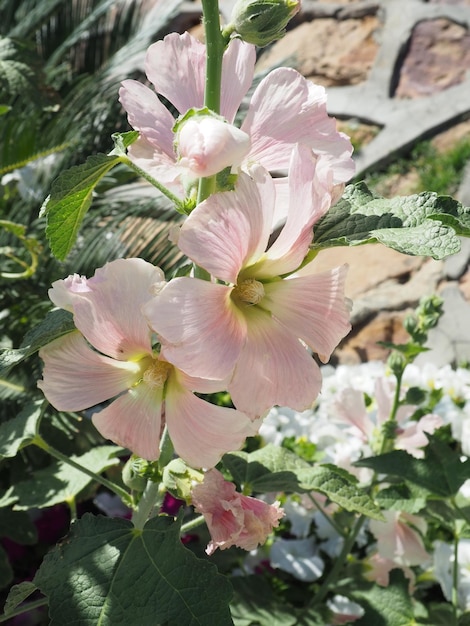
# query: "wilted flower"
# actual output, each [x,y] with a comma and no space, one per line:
[232,518]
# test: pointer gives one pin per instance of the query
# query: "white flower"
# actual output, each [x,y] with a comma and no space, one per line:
[297,557]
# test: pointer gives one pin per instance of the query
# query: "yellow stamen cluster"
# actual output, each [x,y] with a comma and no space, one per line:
[156,374]
[250,291]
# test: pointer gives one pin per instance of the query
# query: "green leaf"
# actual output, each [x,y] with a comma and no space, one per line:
[108,572]
[21,430]
[276,469]
[402,498]
[386,606]
[122,141]
[421,224]
[54,325]
[254,602]
[441,472]
[18,593]
[59,482]
[70,199]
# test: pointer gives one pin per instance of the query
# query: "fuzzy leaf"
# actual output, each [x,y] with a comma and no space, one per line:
[21,430]
[59,482]
[18,593]
[276,469]
[255,602]
[54,325]
[421,224]
[70,199]
[441,472]
[402,498]
[108,572]
[386,606]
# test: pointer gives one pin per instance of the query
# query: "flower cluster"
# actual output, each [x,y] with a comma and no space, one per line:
[147,352]
[152,346]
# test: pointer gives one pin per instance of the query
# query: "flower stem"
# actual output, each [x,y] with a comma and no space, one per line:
[194,523]
[151,498]
[24,608]
[332,577]
[327,517]
[179,204]
[215,44]
[121,493]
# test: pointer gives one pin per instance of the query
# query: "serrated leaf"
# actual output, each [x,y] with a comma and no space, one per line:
[108,572]
[386,606]
[441,472]
[18,593]
[420,224]
[276,469]
[402,498]
[21,430]
[70,199]
[59,482]
[55,324]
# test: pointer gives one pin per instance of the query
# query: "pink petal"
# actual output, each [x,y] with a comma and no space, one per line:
[176,67]
[201,330]
[238,65]
[148,115]
[207,145]
[202,432]
[309,199]
[273,368]
[157,164]
[351,410]
[287,109]
[413,437]
[230,230]
[109,314]
[133,421]
[312,307]
[76,377]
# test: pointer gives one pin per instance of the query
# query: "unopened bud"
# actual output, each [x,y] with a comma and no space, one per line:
[206,144]
[261,22]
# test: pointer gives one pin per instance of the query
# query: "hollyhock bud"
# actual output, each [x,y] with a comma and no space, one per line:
[233,519]
[207,144]
[261,22]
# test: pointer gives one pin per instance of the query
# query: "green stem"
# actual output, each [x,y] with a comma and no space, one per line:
[166,449]
[151,498]
[215,44]
[25,608]
[455,576]
[328,518]
[179,204]
[332,577]
[194,523]
[125,497]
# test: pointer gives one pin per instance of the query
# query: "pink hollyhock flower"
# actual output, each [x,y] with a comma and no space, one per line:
[111,358]
[411,435]
[233,519]
[285,109]
[257,321]
[399,538]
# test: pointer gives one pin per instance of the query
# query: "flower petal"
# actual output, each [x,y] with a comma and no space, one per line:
[202,432]
[148,115]
[230,230]
[109,314]
[201,330]
[75,377]
[312,307]
[238,66]
[310,190]
[273,368]
[133,421]
[287,109]
[176,67]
